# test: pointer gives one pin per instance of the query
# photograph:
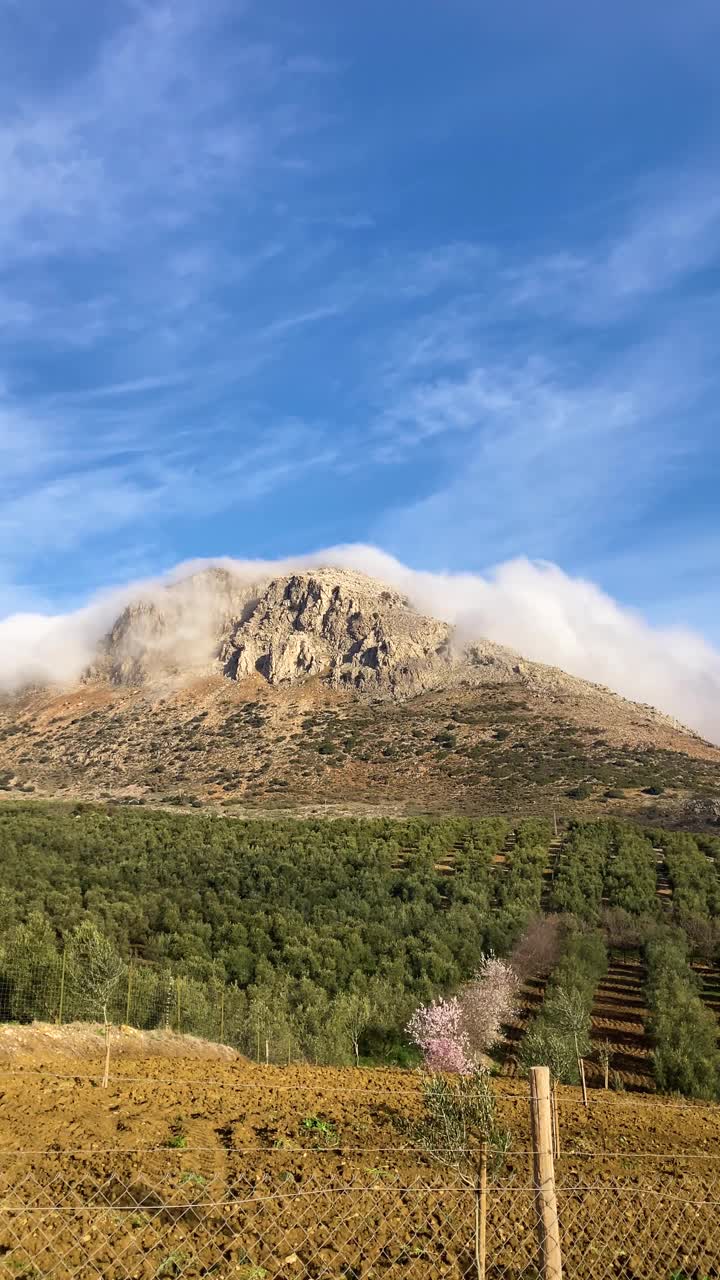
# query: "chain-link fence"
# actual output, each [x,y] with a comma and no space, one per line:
[170,1214]
[147,997]
[45,988]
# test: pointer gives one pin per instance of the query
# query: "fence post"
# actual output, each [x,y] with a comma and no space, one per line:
[267,1052]
[177,989]
[129,996]
[581,1071]
[481,1216]
[222,1016]
[544,1174]
[61,1006]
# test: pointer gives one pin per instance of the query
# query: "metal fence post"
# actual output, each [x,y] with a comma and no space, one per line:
[61,1006]
[544,1174]
[129,995]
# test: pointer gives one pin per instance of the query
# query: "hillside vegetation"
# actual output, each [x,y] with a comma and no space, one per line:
[317,936]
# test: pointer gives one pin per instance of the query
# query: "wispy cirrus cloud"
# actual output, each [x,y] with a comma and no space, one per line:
[233,301]
[667,233]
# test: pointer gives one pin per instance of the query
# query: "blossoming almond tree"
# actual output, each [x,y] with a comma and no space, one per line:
[453,1034]
[437,1029]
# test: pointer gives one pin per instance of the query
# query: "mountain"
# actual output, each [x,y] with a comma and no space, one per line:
[328,686]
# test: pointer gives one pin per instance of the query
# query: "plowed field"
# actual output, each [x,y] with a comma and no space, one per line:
[199,1168]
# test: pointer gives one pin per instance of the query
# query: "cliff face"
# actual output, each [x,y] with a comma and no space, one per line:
[343,628]
[347,630]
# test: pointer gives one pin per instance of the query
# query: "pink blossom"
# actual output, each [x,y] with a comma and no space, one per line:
[437,1030]
[454,1034]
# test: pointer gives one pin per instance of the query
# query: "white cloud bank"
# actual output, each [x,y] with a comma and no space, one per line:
[534,608]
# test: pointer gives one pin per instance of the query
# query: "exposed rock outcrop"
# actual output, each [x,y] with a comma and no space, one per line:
[340,626]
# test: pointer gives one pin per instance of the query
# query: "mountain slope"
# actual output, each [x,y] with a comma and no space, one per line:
[328,685]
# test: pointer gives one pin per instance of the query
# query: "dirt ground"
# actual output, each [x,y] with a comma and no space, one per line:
[41,1040]
[189,1167]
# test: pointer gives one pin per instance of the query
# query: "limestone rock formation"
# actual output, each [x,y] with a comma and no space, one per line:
[342,627]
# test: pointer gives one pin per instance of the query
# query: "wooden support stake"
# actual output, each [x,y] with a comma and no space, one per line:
[582,1081]
[481,1217]
[544,1174]
[555,1120]
[106,1069]
[267,1052]
[222,1016]
[177,991]
[581,1072]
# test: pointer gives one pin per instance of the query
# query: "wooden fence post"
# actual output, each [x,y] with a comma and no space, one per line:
[222,1016]
[481,1216]
[544,1174]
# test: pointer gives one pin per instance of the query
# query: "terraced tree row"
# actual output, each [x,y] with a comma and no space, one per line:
[619,1032]
[683,1030]
[605,864]
[560,1032]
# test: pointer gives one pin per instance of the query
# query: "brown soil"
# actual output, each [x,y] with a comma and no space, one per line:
[222,1169]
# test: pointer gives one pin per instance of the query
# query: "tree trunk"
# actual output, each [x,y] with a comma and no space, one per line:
[356,1051]
[106,1072]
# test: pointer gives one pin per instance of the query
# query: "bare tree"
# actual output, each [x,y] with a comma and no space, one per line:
[97,971]
[353,1013]
[537,950]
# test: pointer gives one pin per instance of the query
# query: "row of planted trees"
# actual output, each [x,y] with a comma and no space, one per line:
[683,1030]
[456,1034]
[276,1019]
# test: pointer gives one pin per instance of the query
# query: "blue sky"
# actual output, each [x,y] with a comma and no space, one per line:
[444,277]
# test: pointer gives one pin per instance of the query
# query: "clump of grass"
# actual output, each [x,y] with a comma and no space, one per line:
[323,1130]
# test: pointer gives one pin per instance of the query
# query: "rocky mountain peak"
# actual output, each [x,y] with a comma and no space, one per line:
[342,627]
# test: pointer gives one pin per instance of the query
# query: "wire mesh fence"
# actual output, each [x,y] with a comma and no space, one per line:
[178,1214]
[42,985]
[147,997]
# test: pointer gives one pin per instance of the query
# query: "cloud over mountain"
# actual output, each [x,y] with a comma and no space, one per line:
[534,608]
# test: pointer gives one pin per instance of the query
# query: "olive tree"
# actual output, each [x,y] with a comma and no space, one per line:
[96,971]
